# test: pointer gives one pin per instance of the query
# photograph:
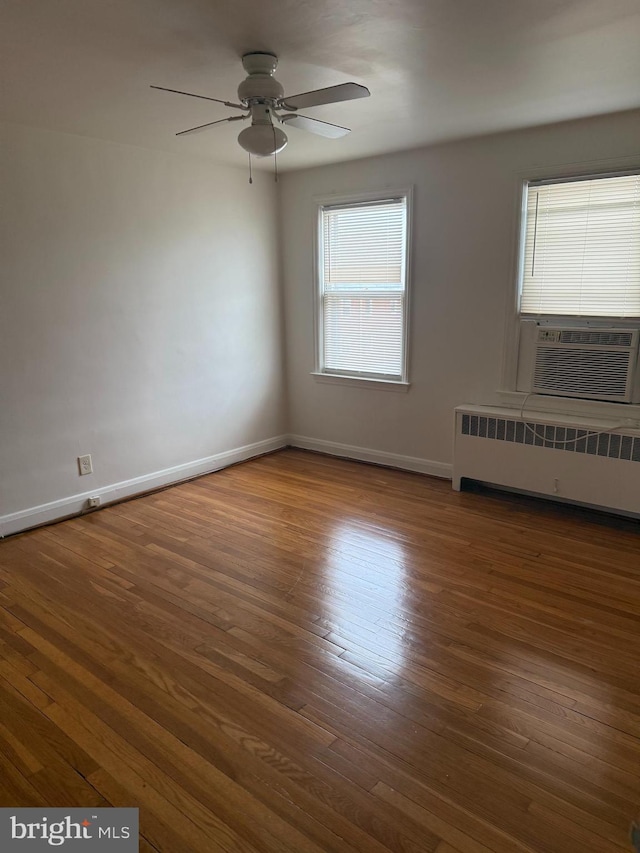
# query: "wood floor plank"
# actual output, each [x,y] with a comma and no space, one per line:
[307,654]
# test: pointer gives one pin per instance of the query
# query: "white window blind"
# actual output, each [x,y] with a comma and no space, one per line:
[363,288]
[582,248]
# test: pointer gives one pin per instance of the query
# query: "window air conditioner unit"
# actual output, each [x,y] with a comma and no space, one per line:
[590,363]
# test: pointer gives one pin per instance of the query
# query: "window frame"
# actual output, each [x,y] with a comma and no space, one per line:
[507,392]
[568,319]
[355,198]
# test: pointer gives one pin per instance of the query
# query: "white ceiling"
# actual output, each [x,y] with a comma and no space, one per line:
[437,69]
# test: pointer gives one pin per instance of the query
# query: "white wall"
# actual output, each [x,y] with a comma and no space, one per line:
[140,302]
[464,230]
[140,313]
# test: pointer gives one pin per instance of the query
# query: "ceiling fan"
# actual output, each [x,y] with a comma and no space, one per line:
[262,99]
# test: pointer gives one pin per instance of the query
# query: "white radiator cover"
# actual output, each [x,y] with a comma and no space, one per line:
[492,445]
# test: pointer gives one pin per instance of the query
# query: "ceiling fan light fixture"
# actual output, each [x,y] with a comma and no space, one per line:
[262,140]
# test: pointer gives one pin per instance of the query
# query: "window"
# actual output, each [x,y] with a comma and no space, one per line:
[362,288]
[581,254]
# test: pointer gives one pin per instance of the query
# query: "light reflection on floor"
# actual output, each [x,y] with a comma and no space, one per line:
[367,580]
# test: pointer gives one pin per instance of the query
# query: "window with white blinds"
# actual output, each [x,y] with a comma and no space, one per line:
[582,248]
[363,285]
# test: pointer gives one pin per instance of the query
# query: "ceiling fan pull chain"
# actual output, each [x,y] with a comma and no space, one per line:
[275,146]
[250,174]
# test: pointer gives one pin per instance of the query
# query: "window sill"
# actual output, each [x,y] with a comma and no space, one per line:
[571,321]
[361,381]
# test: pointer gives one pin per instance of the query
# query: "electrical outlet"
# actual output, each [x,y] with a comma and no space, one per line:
[84,464]
[93,502]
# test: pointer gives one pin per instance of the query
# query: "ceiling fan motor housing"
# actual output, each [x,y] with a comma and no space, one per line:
[260,85]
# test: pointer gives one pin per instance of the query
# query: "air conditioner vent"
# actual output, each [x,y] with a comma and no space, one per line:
[596,364]
[597,337]
[581,372]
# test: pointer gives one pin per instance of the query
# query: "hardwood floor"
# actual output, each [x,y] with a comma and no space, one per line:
[311,655]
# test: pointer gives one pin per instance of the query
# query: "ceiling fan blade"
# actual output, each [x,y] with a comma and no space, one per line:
[203,97]
[210,124]
[330,95]
[313,125]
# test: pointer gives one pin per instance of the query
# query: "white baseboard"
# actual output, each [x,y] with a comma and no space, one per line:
[76,504]
[377,457]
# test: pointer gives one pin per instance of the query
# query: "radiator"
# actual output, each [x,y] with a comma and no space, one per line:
[549,455]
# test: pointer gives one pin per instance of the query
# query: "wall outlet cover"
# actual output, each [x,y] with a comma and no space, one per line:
[85,466]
